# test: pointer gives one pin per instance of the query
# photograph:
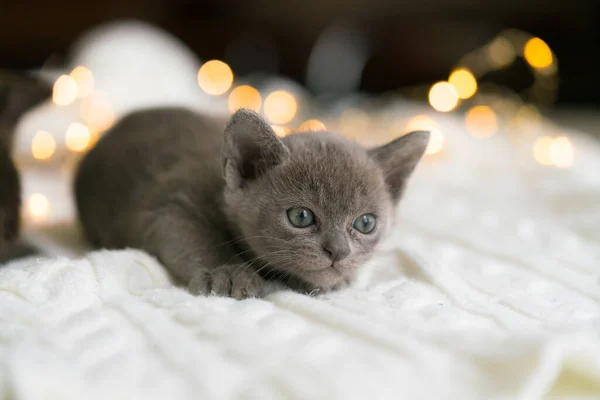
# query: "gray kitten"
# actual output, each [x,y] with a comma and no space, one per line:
[227,206]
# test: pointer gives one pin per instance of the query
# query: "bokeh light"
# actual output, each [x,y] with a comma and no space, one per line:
[84,79]
[38,205]
[215,77]
[244,97]
[541,150]
[77,137]
[281,131]
[481,121]
[537,53]
[64,91]
[501,52]
[561,152]
[96,112]
[464,82]
[443,97]
[312,125]
[43,145]
[426,123]
[280,107]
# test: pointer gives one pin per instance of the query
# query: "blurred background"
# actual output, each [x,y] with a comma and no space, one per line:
[403,43]
[490,71]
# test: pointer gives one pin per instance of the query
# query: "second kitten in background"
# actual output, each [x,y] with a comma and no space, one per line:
[225,208]
[19,93]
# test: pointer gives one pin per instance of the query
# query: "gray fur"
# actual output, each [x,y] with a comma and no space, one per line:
[209,199]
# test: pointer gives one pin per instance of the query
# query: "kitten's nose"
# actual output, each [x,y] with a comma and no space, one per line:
[336,248]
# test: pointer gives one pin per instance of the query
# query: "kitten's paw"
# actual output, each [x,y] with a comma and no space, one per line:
[235,281]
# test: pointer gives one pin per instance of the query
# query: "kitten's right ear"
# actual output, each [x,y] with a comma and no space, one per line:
[250,148]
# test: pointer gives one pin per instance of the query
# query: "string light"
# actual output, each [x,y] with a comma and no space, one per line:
[280,107]
[281,131]
[541,150]
[244,97]
[38,205]
[96,112]
[43,145]
[425,123]
[312,125]
[215,77]
[77,137]
[84,79]
[537,53]
[464,82]
[501,52]
[64,91]
[443,97]
[561,152]
[481,121]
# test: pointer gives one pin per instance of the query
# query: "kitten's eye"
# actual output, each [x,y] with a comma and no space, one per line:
[365,223]
[301,217]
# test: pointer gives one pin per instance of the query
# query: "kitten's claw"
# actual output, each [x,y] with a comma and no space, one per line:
[228,280]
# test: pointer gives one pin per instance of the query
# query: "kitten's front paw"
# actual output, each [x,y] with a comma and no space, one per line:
[237,281]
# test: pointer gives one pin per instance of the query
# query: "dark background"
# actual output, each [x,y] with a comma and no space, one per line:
[411,42]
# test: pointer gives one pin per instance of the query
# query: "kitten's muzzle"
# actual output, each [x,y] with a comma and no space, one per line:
[336,248]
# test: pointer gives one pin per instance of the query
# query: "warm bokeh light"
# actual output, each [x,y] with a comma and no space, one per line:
[464,82]
[481,121]
[280,107]
[38,205]
[425,123]
[43,145]
[281,131]
[64,91]
[84,79]
[313,125]
[561,152]
[215,77]
[501,52]
[541,150]
[96,112]
[77,137]
[244,97]
[537,53]
[436,142]
[443,97]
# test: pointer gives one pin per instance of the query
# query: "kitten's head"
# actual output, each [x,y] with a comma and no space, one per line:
[312,206]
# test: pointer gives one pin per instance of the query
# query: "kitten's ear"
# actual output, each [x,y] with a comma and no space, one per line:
[250,148]
[18,93]
[399,158]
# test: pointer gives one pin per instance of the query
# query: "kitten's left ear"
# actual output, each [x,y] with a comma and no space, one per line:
[399,158]
[250,148]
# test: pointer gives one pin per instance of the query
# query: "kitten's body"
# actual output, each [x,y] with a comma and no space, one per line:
[211,206]
[153,177]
